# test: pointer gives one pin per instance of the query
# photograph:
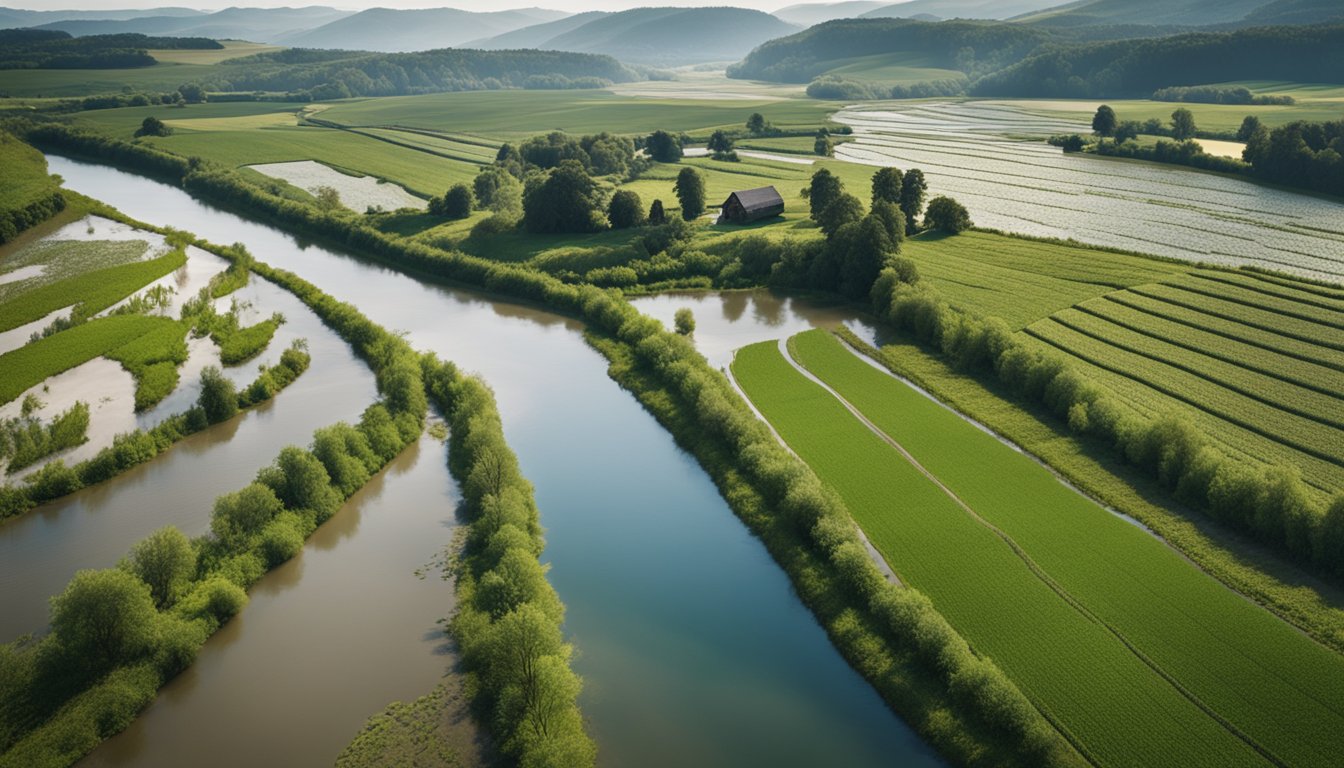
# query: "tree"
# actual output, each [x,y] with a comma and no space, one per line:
[843,210]
[565,199]
[892,219]
[153,126]
[656,214]
[625,210]
[887,185]
[1182,124]
[192,93]
[1248,128]
[104,617]
[822,191]
[690,189]
[720,143]
[1129,129]
[663,147]
[947,215]
[864,248]
[684,321]
[328,199]
[756,124]
[913,188]
[1104,122]
[240,515]
[299,481]
[218,397]
[497,190]
[1330,539]
[456,203]
[823,146]
[166,562]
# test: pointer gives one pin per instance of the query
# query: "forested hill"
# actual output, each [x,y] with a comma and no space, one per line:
[1186,13]
[811,14]
[261,25]
[958,9]
[801,57]
[340,74]
[537,35]
[397,30]
[1297,12]
[670,36]
[49,49]
[1136,68]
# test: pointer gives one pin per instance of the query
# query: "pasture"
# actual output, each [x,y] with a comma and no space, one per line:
[1117,708]
[26,177]
[233,49]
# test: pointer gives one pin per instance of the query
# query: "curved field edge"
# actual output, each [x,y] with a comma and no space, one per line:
[1304,601]
[1208,641]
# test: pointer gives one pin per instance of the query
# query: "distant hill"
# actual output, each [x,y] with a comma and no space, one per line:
[536,35]
[1297,12]
[811,14]
[673,36]
[958,9]
[838,45]
[1136,68]
[1189,13]
[25,18]
[261,25]
[390,30]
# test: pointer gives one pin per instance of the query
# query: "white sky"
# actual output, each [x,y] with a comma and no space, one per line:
[572,6]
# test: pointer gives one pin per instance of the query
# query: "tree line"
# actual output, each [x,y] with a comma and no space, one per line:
[118,634]
[1219,94]
[52,49]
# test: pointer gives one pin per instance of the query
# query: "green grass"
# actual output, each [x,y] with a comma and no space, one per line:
[891,69]
[153,359]
[33,363]
[1292,327]
[89,293]
[242,344]
[25,173]
[1121,711]
[63,259]
[1279,687]
[497,114]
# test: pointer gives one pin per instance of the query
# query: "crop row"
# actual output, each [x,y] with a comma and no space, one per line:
[1280,688]
[1265,320]
[33,363]
[1299,285]
[1273,304]
[1324,407]
[1210,325]
[61,259]
[1076,263]
[92,292]
[1119,709]
[1277,290]
[1304,435]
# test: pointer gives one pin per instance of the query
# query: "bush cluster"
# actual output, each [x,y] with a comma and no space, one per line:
[1272,505]
[15,220]
[1218,94]
[835,88]
[1178,153]
[508,622]
[25,439]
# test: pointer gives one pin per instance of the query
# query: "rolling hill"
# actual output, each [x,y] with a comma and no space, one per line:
[673,36]
[393,31]
[811,14]
[536,35]
[1297,12]
[261,25]
[1188,13]
[957,9]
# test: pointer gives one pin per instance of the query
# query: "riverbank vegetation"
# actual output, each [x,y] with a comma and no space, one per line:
[24,439]
[29,195]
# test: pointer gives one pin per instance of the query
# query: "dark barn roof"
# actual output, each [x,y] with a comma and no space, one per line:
[752,205]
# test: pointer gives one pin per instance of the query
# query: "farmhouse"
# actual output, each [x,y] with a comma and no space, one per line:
[751,205]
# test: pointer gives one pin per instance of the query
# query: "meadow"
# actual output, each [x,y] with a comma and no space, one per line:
[1114,707]
[1209,639]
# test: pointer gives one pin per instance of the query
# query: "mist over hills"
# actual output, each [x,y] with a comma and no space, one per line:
[261,25]
[808,14]
[395,30]
[1185,13]
[958,9]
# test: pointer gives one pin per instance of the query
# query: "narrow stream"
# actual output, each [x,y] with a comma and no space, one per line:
[693,648]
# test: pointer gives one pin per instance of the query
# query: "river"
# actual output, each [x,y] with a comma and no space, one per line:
[691,643]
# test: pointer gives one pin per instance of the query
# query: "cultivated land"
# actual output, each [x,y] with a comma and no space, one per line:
[1180,623]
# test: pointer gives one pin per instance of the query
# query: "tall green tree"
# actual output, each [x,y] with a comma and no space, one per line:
[240,515]
[1183,124]
[218,398]
[165,561]
[657,215]
[823,146]
[843,210]
[690,189]
[887,185]
[913,189]
[822,191]
[720,143]
[565,199]
[756,124]
[1248,128]
[1104,121]
[864,248]
[947,215]
[625,210]
[104,618]
[663,147]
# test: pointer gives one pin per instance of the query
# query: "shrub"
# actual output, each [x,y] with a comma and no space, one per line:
[218,398]
[684,321]
[947,215]
[625,210]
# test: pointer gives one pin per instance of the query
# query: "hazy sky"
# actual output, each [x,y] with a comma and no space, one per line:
[479,5]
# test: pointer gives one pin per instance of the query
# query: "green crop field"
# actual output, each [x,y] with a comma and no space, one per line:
[33,363]
[89,293]
[1119,709]
[891,69]
[62,259]
[1278,687]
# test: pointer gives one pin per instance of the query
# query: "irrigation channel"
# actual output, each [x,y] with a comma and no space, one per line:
[693,648]
[979,153]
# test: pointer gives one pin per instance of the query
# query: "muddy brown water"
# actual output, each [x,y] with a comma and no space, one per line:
[693,647]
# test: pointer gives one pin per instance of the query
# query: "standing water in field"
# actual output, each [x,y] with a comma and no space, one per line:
[976,152]
[693,648]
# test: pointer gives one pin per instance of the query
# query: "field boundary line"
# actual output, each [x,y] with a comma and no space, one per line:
[1311,300]
[1145,291]
[1034,567]
[1245,302]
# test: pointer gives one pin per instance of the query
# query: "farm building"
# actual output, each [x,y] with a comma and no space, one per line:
[751,205]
